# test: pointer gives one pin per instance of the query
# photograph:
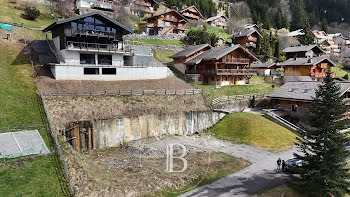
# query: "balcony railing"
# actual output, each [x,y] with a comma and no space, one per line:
[236,60]
[223,72]
[321,75]
[92,32]
[170,19]
[98,47]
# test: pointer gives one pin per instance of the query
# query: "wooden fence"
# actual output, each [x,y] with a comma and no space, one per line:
[112,92]
[236,97]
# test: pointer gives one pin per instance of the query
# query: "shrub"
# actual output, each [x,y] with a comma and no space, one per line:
[200,36]
[31,13]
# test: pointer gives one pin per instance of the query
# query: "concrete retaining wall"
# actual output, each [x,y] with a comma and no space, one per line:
[115,132]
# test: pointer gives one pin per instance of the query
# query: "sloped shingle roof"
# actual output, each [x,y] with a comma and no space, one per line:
[84,16]
[303,48]
[215,17]
[259,64]
[217,53]
[244,33]
[190,50]
[306,61]
[303,90]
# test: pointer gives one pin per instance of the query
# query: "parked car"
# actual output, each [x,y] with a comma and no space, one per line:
[292,165]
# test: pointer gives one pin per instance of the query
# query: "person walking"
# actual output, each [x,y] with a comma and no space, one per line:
[283,166]
[279,164]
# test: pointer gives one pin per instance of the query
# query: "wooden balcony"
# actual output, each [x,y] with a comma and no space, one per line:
[321,75]
[138,2]
[252,39]
[241,72]
[170,19]
[190,15]
[235,60]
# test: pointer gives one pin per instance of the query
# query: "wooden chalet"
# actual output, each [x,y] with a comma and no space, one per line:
[306,69]
[143,8]
[192,13]
[168,22]
[218,21]
[303,51]
[246,37]
[268,68]
[219,65]
[293,99]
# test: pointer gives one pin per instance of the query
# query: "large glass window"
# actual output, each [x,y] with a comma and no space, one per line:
[87,58]
[105,59]
[109,71]
[89,20]
[91,71]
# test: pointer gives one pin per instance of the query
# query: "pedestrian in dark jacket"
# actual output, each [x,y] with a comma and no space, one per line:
[283,166]
[279,164]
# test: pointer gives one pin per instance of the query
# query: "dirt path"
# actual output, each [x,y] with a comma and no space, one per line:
[259,176]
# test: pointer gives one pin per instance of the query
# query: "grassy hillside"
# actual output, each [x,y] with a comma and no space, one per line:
[8,12]
[18,98]
[19,107]
[163,55]
[212,92]
[255,130]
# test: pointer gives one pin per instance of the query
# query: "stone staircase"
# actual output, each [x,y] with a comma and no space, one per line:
[269,114]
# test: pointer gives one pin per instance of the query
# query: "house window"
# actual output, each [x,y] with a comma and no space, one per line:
[109,71]
[167,23]
[105,59]
[294,108]
[91,71]
[87,58]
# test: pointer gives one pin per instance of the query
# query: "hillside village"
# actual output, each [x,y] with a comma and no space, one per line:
[95,93]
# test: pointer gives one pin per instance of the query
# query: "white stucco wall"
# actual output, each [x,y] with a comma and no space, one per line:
[123,73]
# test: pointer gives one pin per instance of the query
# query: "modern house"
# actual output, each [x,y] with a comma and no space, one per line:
[91,47]
[85,6]
[306,68]
[303,51]
[216,65]
[192,13]
[168,22]
[246,37]
[218,21]
[143,8]
[294,98]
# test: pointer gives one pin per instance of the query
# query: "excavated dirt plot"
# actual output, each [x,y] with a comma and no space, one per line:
[139,168]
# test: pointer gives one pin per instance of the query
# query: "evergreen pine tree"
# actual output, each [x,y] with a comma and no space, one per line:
[322,144]
[265,50]
[308,38]
[277,52]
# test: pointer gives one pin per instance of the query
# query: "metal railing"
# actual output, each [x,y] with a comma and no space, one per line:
[97,46]
[93,32]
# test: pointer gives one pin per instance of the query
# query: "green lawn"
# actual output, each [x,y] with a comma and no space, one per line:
[38,177]
[339,71]
[212,92]
[163,55]
[18,97]
[219,32]
[161,42]
[19,107]
[255,130]
[8,12]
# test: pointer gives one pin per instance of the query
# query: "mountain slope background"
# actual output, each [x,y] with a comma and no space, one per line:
[277,13]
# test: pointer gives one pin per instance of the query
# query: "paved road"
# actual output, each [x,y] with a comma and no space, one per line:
[259,176]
